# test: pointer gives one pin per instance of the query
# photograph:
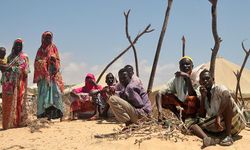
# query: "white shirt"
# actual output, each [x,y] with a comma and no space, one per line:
[218,94]
[177,86]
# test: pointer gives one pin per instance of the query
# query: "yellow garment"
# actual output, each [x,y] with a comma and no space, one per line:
[3,61]
[187,58]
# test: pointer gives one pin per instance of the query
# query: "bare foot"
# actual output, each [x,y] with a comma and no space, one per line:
[95,117]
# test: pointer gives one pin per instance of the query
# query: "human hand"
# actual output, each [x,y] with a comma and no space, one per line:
[111,90]
[218,124]
[160,117]
[203,91]
[181,74]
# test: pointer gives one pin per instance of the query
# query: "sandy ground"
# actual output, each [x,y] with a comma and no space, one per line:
[79,134]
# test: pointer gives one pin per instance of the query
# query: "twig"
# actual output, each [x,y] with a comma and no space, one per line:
[146,30]
[148,128]
[238,74]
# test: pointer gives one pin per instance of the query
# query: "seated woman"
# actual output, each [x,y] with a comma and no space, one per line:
[86,98]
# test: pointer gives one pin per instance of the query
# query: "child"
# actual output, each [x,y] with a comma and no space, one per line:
[3,60]
[107,92]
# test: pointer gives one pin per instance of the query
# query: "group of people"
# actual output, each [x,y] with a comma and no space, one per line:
[203,106]
[14,81]
[127,99]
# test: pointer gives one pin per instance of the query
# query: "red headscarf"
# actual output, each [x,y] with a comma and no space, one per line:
[88,85]
[19,40]
[46,33]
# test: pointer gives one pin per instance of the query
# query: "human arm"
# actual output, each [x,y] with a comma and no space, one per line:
[224,106]
[202,110]
[134,97]
[3,67]
[40,67]
[158,99]
[186,76]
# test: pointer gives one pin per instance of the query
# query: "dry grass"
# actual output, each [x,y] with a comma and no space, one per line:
[37,124]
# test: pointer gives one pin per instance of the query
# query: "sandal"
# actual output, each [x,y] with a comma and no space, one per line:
[227,141]
[208,141]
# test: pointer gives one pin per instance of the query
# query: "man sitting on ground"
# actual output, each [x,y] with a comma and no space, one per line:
[179,91]
[131,103]
[220,110]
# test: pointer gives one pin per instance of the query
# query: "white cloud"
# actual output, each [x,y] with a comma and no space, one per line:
[73,72]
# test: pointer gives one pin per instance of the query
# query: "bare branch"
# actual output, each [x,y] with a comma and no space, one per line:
[217,39]
[158,50]
[238,75]
[243,47]
[130,41]
[213,2]
[183,45]
[146,30]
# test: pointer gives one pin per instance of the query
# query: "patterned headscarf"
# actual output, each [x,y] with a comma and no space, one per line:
[44,45]
[18,40]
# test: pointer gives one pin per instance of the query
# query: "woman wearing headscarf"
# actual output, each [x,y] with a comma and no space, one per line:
[14,87]
[86,98]
[49,80]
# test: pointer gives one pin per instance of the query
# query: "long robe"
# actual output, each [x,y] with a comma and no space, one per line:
[49,81]
[14,87]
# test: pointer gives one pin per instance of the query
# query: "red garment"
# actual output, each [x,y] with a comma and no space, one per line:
[85,104]
[190,105]
[14,85]
[47,56]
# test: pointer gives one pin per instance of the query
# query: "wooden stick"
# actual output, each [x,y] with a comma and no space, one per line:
[183,45]
[238,74]
[158,50]
[217,39]
[146,30]
[131,43]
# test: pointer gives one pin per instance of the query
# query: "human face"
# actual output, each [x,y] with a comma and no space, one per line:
[48,39]
[124,78]
[130,71]
[186,65]
[110,80]
[2,52]
[89,80]
[18,46]
[206,80]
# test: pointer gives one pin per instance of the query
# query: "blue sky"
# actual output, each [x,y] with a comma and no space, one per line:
[90,33]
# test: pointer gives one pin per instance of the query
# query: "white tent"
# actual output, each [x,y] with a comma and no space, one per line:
[224,74]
